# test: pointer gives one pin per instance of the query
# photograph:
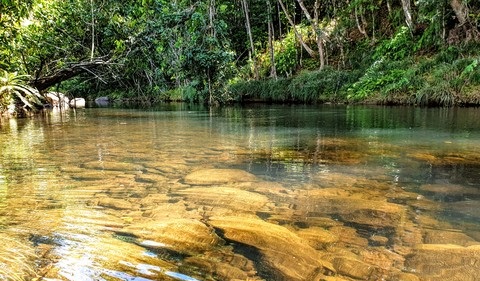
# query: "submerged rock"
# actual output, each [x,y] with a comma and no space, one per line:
[227,266]
[364,263]
[342,180]
[223,199]
[378,240]
[284,255]
[161,207]
[318,237]
[18,259]
[448,237]
[374,214]
[468,209]
[112,166]
[353,268]
[348,236]
[445,262]
[450,189]
[105,257]
[405,277]
[187,236]
[118,204]
[218,176]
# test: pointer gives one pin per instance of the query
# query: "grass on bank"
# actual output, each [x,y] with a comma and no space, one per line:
[444,80]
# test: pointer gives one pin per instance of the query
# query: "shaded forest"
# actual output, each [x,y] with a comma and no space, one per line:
[311,51]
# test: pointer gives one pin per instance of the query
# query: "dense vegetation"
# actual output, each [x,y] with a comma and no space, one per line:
[422,52]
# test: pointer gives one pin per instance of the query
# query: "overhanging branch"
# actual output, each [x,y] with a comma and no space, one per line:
[45,82]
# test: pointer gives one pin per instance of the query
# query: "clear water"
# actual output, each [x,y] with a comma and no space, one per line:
[78,188]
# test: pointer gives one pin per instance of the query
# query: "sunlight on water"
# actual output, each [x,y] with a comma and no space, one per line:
[260,193]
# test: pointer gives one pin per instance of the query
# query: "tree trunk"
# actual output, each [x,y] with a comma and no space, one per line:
[297,34]
[93,31]
[389,7]
[360,26]
[213,33]
[465,31]
[280,33]
[316,30]
[250,37]
[211,17]
[45,82]
[461,11]
[407,10]
[271,38]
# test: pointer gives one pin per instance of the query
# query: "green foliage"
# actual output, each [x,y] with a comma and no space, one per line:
[286,55]
[184,93]
[431,16]
[308,87]
[13,87]
[446,83]
[369,83]
[287,52]
[268,90]
[360,56]
[403,81]
[438,95]
[470,68]
[387,78]
[12,16]
[277,90]
[428,82]
[396,48]
[448,55]
[320,86]
[189,50]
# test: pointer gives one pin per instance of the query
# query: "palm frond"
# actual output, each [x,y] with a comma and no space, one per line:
[13,85]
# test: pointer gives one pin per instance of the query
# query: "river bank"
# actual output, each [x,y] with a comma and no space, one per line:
[443,80]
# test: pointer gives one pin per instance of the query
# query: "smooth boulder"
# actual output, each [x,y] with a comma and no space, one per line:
[445,262]
[77,103]
[223,199]
[188,236]
[56,99]
[284,254]
[218,176]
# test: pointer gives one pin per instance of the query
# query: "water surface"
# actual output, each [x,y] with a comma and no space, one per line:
[241,193]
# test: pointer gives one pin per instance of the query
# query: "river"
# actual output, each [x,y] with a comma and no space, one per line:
[265,192]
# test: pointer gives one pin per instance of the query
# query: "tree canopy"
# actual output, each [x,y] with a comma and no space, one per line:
[196,50]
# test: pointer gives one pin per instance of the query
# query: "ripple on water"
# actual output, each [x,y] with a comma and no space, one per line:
[129,195]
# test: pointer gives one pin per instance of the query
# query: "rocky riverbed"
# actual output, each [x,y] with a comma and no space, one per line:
[228,224]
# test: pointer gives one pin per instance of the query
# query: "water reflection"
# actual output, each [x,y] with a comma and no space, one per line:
[259,193]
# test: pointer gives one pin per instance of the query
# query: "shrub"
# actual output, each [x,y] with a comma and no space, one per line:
[396,48]
[438,95]
[14,88]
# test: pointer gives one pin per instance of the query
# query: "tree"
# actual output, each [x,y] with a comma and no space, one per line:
[297,34]
[461,10]
[468,31]
[271,38]
[12,13]
[316,29]
[250,38]
[59,36]
[207,55]
[408,14]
